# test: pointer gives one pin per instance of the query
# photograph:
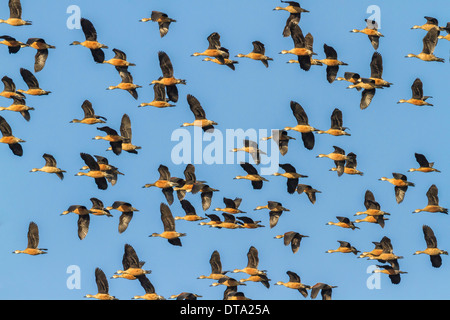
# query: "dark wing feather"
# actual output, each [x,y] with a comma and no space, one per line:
[196,108]
[165,64]
[101,281]
[167,218]
[88,29]
[29,78]
[33,236]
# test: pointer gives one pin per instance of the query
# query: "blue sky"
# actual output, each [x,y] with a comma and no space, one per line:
[385,137]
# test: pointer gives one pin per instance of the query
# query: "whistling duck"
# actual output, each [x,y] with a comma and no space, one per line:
[351,77]
[373,219]
[188,184]
[102,286]
[216,268]
[169,227]
[159,100]
[89,116]
[336,128]
[447,36]
[132,266]
[229,222]
[372,207]
[302,125]
[106,167]
[376,70]
[295,283]
[165,182]
[15,15]
[391,270]
[19,105]
[309,191]
[276,210]
[371,30]
[252,175]
[273,206]
[343,222]
[249,223]
[226,61]
[126,134]
[293,7]
[344,247]
[281,138]
[376,251]
[325,290]
[33,241]
[98,208]
[258,53]
[291,175]
[303,47]
[9,90]
[83,219]
[42,52]
[339,158]
[214,221]
[313,62]
[231,206]
[214,50]
[127,210]
[119,60]
[252,148]
[185,296]
[199,114]
[332,62]
[258,278]
[168,79]
[305,61]
[252,265]
[425,166]
[433,202]
[91,41]
[163,21]
[150,293]
[429,44]
[401,185]
[126,83]
[418,99]
[369,85]
[227,281]
[350,165]
[114,139]
[32,83]
[189,209]
[50,166]
[432,23]
[293,238]
[432,250]
[94,171]
[9,139]
[206,194]
[387,251]
[12,44]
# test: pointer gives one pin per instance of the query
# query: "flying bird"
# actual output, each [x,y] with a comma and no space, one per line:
[163,21]
[42,52]
[168,78]
[15,15]
[91,41]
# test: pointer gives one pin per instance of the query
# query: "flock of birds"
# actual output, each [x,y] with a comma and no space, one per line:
[166,93]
